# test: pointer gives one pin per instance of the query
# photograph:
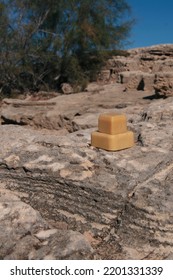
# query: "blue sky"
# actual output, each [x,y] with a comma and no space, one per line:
[154,22]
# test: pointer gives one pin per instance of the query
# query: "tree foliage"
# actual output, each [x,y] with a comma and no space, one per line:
[47,42]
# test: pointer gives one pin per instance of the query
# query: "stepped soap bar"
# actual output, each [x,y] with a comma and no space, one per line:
[112,123]
[112,142]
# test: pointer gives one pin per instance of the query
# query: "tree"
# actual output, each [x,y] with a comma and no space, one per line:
[26,60]
[62,38]
[83,29]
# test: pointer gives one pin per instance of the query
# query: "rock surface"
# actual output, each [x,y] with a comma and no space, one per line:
[70,112]
[66,88]
[69,200]
[61,198]
[24,234]
[149,68]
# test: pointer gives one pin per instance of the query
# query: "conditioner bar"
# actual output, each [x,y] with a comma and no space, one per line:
[112,123]
[112,142]
[112,134]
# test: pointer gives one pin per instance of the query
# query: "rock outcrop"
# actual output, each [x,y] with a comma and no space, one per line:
[121,202]
[149,68]
[67,113]
[61,198]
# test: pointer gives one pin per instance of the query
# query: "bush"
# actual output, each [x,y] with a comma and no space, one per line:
[45,43]
[84,67]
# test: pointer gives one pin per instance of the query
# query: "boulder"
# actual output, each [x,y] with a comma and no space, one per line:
[137,80]
[163,84]
[66,88]
[131,79]
[104,76]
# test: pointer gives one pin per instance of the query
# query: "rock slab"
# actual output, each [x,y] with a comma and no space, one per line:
[124,199]
[149,68]
[24,234]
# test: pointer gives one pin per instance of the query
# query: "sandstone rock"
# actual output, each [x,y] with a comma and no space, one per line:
[65,113]
[148,81]
[137,80]
[123,199]
[64,245]
[131,79]
[138,70]
[18,221]
[94,87]
[66,88]
[44,234]
[25,234]
[104,76]
[163,84]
